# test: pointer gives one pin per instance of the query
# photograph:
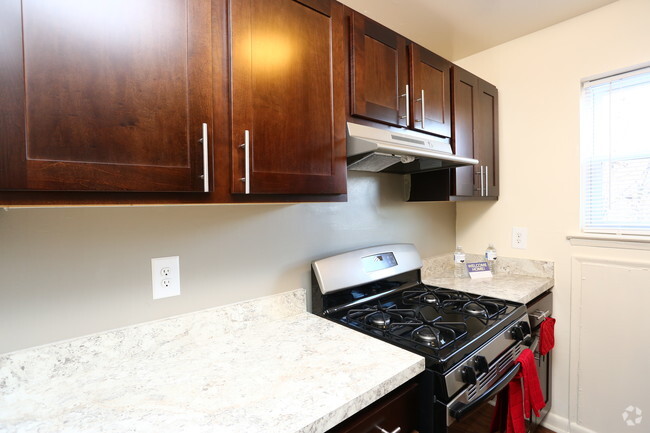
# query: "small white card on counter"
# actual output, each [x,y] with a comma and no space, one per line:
[479,270]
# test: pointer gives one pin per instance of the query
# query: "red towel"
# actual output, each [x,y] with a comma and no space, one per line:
[546,336]
[522,396]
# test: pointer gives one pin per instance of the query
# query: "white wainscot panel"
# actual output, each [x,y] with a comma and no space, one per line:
[610,350]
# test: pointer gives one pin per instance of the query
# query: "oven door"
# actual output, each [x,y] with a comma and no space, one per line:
[470,411]
[476,416]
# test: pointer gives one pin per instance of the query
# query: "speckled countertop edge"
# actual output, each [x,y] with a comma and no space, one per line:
[211,371]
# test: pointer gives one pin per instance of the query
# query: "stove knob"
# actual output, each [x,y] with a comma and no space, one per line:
[469,375]
[481,364]
[525,327]
[517,332]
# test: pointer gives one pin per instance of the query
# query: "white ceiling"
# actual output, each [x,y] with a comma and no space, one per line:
[458,28]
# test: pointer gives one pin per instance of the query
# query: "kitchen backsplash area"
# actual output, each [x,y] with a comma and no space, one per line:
[76,271]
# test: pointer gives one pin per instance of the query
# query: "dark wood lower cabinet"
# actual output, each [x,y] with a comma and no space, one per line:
[397,409]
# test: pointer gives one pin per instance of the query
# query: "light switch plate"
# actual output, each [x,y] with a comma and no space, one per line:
[165,277]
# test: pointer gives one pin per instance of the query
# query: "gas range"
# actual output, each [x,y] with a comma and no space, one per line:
[469,342]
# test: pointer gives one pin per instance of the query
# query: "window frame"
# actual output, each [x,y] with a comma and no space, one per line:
[642,230]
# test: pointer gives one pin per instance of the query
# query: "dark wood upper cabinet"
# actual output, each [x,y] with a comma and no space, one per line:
[431,88]
[12,97]
[104,95]
[397,82]
[379,72]
[288,97]
[488,136]
[475,103]
[475,135]
[465,182]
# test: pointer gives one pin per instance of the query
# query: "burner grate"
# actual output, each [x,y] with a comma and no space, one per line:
[380,317]
[436,335]
[431,295]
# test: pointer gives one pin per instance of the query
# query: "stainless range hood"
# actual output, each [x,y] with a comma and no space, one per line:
[382,150]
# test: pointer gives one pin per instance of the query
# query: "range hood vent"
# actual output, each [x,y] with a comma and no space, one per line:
[381,150]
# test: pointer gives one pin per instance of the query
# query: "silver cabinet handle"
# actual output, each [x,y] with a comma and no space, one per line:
[247,165]
[383,430]
[422,106]
[487,182]
[408,114]
[206,165]
[482,183]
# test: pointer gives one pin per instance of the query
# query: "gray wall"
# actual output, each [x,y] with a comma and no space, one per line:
[68,272]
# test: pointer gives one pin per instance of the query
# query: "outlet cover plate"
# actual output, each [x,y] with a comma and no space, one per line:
[520,238]
[165,277]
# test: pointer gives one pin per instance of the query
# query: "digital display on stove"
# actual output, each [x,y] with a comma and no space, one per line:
[377,262]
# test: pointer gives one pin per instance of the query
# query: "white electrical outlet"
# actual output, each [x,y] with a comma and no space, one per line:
[165,277]
[520,238]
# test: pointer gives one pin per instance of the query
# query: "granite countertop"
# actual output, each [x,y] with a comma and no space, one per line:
[518,280]
[210,371]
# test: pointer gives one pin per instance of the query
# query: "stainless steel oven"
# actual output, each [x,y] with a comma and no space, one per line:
[469,342]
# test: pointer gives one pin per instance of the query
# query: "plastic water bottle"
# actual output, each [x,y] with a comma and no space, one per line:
[460,270]
[491,257]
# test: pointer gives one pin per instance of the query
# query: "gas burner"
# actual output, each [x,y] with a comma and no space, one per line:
[432,295]
[439,335]
[426,334]
[430,298]
[379,319]
[475,309]
[480,307]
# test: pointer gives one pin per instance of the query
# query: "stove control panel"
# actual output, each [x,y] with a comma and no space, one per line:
[477,366]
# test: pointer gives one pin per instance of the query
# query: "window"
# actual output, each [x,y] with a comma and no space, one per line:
[615,154]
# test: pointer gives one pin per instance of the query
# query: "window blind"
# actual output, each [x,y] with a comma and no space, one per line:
[615,154]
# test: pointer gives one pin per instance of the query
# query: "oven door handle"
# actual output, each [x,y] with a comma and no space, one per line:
[459,410]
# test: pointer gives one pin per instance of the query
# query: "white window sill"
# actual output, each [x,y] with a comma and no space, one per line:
[628,242]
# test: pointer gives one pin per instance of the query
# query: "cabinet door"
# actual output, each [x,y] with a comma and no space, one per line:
[12,97]
[475,126]
[114,92]
[488,136]
[379,73]
[288,100]
[431,88]
[467,180]
[475,135]
[398,411]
